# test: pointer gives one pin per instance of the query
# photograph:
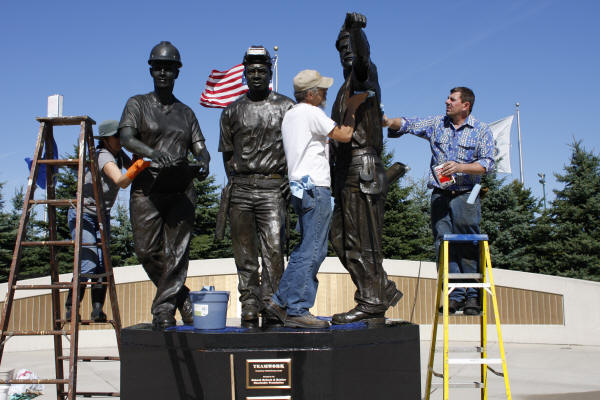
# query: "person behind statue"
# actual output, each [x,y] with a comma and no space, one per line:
[158,126]
[255,165]
[464,148]
[359,180]
[306,130]
[111,159]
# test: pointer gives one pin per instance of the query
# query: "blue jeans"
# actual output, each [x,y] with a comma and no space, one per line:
[91,256]
[450,213]
[298,285]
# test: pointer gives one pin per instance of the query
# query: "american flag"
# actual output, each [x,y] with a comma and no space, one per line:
[224,87]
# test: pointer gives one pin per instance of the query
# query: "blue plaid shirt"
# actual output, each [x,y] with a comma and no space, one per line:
[472,141]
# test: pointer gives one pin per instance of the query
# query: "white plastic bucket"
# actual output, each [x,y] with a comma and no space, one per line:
[210,308]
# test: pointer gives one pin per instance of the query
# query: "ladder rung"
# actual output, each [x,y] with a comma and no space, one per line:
[479,361]
[61,162]
[475,349]
[462,237]
[92,358]
[60,285]
[464,276]
[91,394]
[35,333]
[55,202]
[48,243]
[32,381]
[87,322]
[460,314]
[477,385]
[468,285]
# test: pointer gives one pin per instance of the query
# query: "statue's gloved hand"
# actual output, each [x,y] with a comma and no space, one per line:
[355,21]
[203,169]
[162,158]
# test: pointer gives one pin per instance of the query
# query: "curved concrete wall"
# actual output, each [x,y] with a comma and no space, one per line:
[533,308]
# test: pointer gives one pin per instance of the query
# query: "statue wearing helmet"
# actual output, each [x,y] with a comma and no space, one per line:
[159,127]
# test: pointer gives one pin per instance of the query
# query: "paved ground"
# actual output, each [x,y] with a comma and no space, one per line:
[537,372]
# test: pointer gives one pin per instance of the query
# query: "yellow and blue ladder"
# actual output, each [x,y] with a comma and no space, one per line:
[444,288]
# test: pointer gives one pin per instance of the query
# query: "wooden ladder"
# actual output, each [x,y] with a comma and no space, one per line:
[485,282]
[59,326]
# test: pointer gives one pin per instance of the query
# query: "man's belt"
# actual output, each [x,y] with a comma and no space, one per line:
[450,192]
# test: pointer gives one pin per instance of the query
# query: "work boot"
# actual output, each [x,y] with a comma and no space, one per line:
[392,294]
[69,300]
[273,311]
[249,312]
[163,320]
[186,309]
[472,306]
[307,321]
[98,298]
[453,306]
[356,315]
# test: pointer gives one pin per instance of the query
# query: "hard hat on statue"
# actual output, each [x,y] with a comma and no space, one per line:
[257,55]
[165,51]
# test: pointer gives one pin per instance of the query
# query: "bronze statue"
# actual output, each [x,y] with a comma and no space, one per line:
[255,196]
[360,180]
[162,201]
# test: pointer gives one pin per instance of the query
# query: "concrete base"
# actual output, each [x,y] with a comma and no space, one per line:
[349,362]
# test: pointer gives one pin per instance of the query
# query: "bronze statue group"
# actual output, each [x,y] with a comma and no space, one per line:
[275,152]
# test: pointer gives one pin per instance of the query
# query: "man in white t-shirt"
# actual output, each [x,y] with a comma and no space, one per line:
[306,131]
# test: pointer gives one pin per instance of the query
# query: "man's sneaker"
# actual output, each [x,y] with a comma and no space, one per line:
[307,320]
[472,306]
[453,306]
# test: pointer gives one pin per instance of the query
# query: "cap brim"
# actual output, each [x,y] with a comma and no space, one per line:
[325,82]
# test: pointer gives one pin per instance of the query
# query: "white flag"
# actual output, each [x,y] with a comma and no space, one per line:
[501,131]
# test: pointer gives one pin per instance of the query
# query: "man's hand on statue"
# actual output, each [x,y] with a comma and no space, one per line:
[162,158]
[451,167]
[355,21]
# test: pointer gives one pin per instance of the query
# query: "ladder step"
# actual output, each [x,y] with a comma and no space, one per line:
[468,285]
[32,381]
[462,237]
[48,243]
[475,385]
[464,276]
[92,358]
[67,162]
[55,202]
[474,361]
[87,322]
[92,394]
[475,349]
[60,285]
[35,333]
[460,314]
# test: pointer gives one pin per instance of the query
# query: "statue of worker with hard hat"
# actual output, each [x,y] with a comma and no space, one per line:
[255,198]
[158,127]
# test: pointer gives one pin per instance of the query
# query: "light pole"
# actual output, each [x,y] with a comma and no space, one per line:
[543,182]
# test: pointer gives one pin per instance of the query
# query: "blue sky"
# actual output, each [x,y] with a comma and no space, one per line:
[543,54]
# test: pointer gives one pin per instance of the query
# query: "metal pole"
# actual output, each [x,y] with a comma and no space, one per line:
[276,48]
[543,182]
[520,153]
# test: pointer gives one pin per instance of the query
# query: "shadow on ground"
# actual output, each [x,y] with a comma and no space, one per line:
[565,396]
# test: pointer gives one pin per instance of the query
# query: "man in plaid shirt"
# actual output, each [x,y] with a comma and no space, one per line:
[462,149]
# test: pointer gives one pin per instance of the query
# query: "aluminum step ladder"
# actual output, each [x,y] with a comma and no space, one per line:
[444,288]
[62,327]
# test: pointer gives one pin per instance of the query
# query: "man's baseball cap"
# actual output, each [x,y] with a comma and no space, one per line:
[309,78]
[107,128]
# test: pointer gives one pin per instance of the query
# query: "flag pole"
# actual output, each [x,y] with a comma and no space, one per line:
[520,153]
[276,48]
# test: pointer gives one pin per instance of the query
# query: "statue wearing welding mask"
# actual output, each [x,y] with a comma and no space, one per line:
[159,127]
[360,180]
[255,196]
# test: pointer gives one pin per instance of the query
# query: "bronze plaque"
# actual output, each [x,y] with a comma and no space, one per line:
[271,373]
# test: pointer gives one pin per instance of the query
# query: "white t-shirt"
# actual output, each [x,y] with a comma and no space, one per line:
[304,130]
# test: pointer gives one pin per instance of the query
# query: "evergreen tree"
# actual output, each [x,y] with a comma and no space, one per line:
[508,218]
[7,238]
[122,251]
[574,247]
[406,228]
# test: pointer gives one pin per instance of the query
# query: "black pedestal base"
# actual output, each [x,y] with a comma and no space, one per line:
[347,362]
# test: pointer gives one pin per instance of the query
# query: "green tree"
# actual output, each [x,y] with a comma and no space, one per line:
[508,218]
[122,251]
[406,228]
[573,246]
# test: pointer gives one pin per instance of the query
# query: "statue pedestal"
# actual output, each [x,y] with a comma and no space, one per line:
[344,362]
